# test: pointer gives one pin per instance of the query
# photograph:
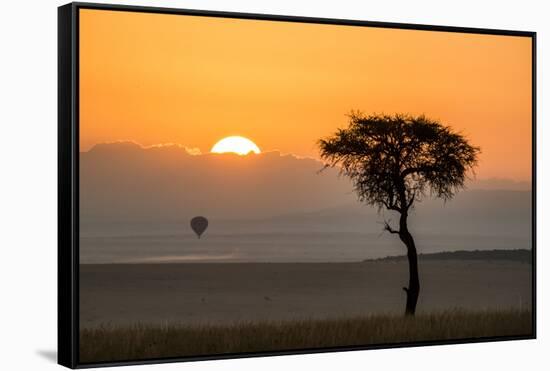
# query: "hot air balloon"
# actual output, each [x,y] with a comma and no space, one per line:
[199,225]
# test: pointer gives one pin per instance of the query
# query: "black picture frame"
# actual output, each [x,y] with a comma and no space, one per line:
[68,180]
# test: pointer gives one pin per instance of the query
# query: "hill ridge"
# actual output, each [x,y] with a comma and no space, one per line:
[518,255]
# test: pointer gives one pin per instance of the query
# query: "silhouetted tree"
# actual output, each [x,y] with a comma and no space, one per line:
[395,161]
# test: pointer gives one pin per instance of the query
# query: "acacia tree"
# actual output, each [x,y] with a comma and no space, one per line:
[395,161]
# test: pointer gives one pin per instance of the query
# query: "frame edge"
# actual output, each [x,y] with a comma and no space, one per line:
[300,19]
[66,289]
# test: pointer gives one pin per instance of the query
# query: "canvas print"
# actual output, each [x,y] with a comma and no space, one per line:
[251,186]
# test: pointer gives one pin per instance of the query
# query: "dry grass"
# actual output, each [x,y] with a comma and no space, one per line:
[110,343]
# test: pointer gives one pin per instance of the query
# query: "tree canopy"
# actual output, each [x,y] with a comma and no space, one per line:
[395,160]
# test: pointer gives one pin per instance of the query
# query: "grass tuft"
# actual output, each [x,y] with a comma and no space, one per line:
[144,341]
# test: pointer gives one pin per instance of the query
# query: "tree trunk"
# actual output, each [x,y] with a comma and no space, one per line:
[414,283]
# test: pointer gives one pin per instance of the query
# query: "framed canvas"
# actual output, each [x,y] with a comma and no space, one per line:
[237,185]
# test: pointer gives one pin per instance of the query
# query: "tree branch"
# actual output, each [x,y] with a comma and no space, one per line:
[388,228]
[412,170]
[411,200]
[391,206]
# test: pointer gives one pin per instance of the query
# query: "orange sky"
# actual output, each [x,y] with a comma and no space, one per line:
[156,78]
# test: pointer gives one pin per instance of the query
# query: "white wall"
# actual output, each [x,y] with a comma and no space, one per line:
[28,183]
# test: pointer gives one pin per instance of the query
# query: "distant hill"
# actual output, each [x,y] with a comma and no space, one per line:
[275,204]
[519,255]
[124,182]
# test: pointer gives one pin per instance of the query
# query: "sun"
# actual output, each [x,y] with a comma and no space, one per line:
[235,144]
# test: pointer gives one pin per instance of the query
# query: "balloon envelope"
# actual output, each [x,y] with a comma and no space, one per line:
[199,225]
